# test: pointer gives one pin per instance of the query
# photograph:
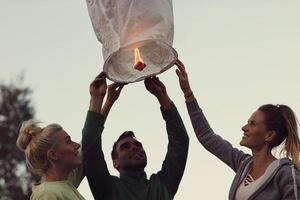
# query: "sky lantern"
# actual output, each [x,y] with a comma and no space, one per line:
[136,37]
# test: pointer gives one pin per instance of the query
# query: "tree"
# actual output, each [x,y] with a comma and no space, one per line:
[15,107]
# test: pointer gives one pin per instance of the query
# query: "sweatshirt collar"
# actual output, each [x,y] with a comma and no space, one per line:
[134,177]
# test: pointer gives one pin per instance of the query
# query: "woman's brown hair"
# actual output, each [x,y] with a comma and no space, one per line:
[282,120]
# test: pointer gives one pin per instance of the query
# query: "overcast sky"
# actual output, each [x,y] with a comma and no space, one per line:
[239,55]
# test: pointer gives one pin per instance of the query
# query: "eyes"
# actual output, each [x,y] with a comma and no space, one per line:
[127,145]
[69,140]
[252,123]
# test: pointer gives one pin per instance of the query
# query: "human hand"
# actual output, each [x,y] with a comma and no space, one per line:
[183,79]
[155,86]
[158,89]
[97,92]
[113,91]
[98,86]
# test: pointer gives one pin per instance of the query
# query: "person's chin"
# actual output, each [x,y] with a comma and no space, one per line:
[140,163]
[78,163]
[242,143]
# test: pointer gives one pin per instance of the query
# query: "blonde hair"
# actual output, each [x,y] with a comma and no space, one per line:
[35,141]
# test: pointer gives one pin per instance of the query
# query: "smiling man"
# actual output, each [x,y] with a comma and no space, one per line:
[129,157]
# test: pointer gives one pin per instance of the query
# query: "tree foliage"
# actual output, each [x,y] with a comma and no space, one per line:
[15,107]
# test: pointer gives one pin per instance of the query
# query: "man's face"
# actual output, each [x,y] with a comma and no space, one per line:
[130,155]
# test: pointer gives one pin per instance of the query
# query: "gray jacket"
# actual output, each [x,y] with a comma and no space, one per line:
[283,183]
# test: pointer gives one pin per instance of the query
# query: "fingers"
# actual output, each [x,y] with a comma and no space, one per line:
[181,68]
[98,81]
[148,82]
[179,64]
[101,75]
[157,81]
[119,89]
[116,85]
[100,78]
[178,72]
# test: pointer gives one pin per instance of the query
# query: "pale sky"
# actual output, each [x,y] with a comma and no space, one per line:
[239,55]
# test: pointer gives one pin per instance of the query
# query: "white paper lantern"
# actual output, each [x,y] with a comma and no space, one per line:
[126,27]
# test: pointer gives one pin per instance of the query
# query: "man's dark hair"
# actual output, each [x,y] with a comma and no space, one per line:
[126,134]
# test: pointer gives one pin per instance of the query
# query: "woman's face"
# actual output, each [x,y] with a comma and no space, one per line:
[67,151]
[255,133]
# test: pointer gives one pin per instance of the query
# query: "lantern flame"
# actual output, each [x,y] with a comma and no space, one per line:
[138,61]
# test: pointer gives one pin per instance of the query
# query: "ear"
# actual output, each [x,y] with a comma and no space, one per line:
[52,155]
[116,164]
[270,136]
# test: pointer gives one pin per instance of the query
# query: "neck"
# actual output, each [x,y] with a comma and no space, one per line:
[55,174]
[132,171]
[262,156]
[261,160]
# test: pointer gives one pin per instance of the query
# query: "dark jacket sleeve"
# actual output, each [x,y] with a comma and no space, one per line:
[94,163]
[211,141]
[175,160]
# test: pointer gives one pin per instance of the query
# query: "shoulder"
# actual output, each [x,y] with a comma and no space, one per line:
[287,172]
[157,178]
[47,191]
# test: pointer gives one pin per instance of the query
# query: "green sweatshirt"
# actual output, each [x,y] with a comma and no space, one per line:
[162,185]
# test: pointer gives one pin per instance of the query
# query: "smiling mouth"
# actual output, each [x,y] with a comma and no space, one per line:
[135,155]
[245,136]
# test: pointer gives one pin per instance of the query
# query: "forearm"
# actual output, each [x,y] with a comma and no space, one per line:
[93,159]
[92,130]
[106,108]
[189,97]
[97,174]
[211,141]
[95,104]
[165,102]
[174,163]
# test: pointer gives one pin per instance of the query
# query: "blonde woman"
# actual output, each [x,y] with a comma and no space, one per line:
[51,154]
[260,176]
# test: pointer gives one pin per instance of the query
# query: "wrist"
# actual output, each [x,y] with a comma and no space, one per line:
[95,104]
[188,93]
[165,102]
[189,97]
[95,108]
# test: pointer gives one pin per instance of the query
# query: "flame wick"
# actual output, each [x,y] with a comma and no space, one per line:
[138,61]
[137,56]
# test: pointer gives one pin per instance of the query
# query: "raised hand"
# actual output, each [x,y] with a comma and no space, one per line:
[155,86]
[97,91]
[113,93]
[183,79]
[158,89]
[98,86]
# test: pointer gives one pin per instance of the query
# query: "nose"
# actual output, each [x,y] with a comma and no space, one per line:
[244,128]
[77,145]
[134,148]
